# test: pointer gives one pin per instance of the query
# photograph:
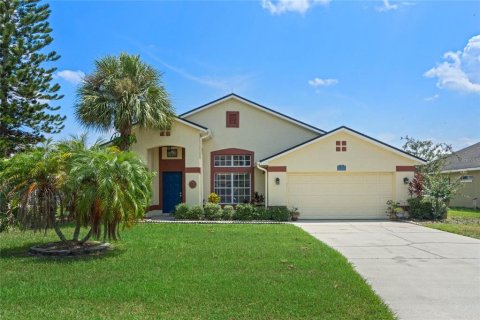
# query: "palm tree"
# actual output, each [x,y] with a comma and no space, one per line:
[114,189]
[101,187]
[123,91]
[33,182]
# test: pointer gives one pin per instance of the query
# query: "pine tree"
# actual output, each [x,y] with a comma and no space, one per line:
[25,83]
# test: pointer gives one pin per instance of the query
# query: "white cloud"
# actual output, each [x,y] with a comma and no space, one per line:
[461,69]
[74,77]
[232,83]
[300,6]
[432,98]
[317,82]
[388,6]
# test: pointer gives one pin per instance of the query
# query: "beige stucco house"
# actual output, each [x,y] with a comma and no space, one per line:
[235,147]
[465,166]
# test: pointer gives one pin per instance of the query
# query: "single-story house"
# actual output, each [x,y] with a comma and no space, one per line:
[465,165]
[236,148]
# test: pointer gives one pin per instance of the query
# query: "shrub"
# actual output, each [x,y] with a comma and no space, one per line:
[181,211]
[420,208]
[245,212]
[213,198]
[279,214]
[263,213]
[228,212]
[257,198]
[213,211]
[196,213]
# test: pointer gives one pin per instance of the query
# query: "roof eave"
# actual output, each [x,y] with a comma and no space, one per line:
[256,105]
[343,128]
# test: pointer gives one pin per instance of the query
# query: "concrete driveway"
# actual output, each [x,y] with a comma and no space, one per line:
[421,273]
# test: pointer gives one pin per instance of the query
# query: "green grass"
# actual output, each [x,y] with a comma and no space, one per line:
[464,213]
[462,221]
[173,271]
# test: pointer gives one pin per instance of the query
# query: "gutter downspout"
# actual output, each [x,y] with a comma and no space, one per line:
[266,182]
[200,160]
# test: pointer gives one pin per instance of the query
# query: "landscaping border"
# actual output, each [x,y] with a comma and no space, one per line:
[212,221]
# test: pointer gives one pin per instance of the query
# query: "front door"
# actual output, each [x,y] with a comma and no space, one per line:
[171,190]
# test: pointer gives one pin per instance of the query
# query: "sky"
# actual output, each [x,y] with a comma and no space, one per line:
[385,68]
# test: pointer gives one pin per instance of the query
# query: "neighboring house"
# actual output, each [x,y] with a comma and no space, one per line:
[465,165]
[235,147]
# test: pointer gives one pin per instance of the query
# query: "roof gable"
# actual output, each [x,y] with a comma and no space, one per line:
[362,136]
[464,159]
[254,105]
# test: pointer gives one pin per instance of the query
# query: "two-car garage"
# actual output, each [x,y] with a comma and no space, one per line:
[341,175]
[340,195]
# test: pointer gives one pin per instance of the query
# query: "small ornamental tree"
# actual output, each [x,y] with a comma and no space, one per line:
[416,187]
[102,188]
[213,198]
[429,182]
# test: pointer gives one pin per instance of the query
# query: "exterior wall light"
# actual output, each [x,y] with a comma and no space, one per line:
[277,181]
[406,180]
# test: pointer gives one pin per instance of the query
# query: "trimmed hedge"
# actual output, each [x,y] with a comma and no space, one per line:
[243,212]
[213,211]
[279,214]
[181,211]
[227,212]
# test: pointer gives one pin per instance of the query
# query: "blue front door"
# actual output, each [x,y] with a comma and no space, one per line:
[171,190]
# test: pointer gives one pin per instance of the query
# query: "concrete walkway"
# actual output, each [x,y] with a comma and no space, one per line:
[420,272]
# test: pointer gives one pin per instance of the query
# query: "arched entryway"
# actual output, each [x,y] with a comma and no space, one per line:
[171,175]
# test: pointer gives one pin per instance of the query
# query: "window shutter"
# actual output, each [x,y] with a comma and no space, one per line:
[233,119]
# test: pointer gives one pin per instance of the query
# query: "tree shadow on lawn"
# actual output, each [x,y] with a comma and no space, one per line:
[23,252]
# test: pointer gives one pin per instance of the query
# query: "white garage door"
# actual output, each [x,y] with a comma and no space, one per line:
[340,195]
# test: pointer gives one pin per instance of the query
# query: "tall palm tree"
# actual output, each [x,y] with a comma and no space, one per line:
[123,91]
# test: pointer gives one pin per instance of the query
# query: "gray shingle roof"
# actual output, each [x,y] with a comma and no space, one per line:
[466,158]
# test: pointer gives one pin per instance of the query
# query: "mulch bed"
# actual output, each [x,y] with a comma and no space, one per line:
[70,248]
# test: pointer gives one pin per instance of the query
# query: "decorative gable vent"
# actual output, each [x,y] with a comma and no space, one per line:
[341,146]
[233,119]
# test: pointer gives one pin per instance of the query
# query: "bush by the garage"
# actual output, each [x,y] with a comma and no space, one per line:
[279,214]
[420,208]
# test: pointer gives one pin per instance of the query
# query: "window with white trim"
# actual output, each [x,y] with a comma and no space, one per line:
[232,161]
[466,179]
[233,187]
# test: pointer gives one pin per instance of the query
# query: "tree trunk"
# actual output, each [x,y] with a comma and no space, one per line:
[87,236]
[59,232]
[76,232]
[124,144]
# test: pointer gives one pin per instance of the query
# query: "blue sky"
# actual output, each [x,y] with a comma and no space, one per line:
[385,68]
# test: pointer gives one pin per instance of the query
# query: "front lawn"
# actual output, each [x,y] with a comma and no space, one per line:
[462,221]
[173,271]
